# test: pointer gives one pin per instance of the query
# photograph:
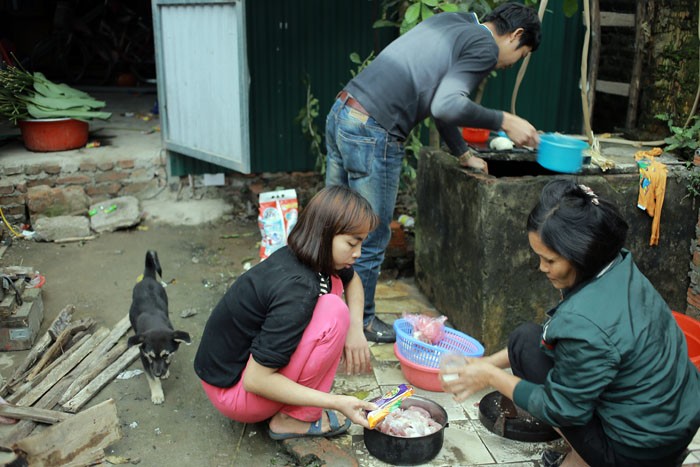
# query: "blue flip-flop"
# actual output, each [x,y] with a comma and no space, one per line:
[315,428]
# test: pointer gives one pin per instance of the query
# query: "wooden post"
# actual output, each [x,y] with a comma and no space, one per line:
[594,57]
[640,43]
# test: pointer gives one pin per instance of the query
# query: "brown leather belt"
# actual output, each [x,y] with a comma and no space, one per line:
[351,102]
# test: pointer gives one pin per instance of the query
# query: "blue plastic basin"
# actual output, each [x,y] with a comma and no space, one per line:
[561,153]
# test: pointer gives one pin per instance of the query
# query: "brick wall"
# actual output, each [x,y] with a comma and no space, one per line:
[101,180]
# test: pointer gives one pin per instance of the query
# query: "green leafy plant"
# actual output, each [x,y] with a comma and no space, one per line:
[308,114]
[361,63]
[684,140]
[25,95]
[405,14]
[693,185]
[422,10]
[307,119]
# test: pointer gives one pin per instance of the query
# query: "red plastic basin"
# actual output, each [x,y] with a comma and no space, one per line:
[691,329]
[421,376]
[475,135]
[54,134]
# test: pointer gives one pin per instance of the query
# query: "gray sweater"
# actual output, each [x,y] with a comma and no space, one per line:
[432,70]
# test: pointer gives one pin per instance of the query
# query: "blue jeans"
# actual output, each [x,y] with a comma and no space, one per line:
[365,157]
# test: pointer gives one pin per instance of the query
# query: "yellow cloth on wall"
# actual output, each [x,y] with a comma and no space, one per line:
[652,188]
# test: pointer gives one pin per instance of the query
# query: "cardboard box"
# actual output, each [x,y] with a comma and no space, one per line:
[19,330]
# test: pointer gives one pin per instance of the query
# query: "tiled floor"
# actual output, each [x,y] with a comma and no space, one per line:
[466,441]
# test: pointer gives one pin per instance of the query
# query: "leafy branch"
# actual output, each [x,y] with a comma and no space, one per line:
[684,139]
[30,95]
[307,119]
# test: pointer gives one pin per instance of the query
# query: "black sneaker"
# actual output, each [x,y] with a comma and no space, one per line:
[552,458]
[378,331]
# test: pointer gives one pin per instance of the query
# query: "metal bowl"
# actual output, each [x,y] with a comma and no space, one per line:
[409,451]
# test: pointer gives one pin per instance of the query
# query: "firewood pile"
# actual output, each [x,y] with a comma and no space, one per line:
[64,370]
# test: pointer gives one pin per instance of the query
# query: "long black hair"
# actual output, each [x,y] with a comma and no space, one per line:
[578,225]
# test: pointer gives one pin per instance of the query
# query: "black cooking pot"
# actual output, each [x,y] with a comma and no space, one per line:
[409,451]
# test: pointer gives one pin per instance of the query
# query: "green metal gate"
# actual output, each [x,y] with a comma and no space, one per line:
[290,40]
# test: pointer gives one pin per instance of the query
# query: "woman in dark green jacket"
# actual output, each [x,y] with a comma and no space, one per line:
[609,369]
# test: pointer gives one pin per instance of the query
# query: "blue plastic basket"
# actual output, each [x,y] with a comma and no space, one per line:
[429,355]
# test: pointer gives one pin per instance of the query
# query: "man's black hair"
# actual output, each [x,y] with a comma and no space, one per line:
[510,16]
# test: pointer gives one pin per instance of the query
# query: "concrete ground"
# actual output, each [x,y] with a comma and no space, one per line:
[205,247]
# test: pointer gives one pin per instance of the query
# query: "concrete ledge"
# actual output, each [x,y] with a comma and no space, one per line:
[473,259]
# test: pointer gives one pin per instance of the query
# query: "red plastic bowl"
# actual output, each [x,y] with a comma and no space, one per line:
[691,329]
[54,134]
[475,135]
[421,376]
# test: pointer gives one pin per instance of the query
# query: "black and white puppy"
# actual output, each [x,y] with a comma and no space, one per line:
[154,334]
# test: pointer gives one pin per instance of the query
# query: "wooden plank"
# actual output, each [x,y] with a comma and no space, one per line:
[32,413]
[117,333]
[72,358]
[19,391]
[95,338]
[74,239]
[16,271]
[80,440]
[57,325]
[57,347]
[88,374]
[89,391]
[48,401]
[623,20]
[103,355]
[611,87]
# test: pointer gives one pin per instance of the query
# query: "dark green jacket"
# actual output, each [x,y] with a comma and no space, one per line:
[618,353]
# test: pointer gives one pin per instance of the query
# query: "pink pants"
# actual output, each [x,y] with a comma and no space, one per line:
[313,365]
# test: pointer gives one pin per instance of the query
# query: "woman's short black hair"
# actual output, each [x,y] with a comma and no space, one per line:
[510,16]
[335,210]
[575,223]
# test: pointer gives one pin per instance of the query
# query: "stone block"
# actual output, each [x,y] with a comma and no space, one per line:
[19,331]
[60,201]
[49,229]
[114,214]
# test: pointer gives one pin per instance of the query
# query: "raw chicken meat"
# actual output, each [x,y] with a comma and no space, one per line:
[411,422]
[426,328]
